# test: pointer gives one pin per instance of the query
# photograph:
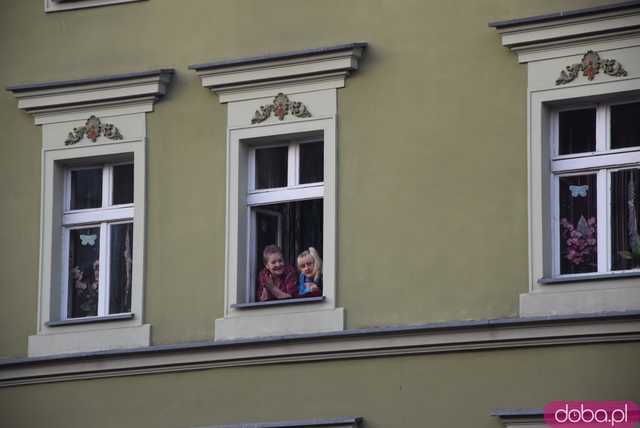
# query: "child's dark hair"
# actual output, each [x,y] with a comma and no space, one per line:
[268,250]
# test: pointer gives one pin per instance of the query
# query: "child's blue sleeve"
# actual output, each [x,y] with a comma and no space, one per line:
[302,289]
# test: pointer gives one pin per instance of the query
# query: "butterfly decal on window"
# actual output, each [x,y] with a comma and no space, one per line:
[88,240]
[577,191]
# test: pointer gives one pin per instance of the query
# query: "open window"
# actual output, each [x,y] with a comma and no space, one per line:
[281,192]
[285,200]
[281,183]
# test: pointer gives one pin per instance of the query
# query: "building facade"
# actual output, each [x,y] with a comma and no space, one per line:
[469,175]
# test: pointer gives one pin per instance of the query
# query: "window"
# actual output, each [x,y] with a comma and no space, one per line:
[281,181]
[583,160]
[97,230]
[92,224]
[595,179]
[284,199]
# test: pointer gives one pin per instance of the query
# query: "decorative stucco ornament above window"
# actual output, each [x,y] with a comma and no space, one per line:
[591,65]
[93,129]
[281,107]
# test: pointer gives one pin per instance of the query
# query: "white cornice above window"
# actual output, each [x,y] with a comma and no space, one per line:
[519,418]
[47,98]
[567,33]
[232,80]
[61,5]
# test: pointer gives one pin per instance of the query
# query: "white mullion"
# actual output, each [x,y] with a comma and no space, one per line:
[67,190]
[292,165]
[555,134]
[107,180]
[603,220]
[286,195]
[555,224]
[64,295]
[609,190]
[97,216]
[252,169]
[603,160]
[252,242]
[602,128]
[103,266]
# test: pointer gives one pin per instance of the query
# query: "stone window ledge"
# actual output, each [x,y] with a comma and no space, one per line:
[90,320]
[270,303]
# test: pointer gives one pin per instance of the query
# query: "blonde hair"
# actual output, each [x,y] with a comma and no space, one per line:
[317,261]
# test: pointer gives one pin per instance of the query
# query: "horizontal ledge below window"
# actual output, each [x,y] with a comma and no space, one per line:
[255,305]
[90,320]
[594,277]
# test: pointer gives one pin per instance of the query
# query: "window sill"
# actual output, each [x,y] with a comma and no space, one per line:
[593,277]
[90,320]
[283,302]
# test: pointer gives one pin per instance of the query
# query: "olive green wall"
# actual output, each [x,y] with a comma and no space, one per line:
[439,390]
[432,178]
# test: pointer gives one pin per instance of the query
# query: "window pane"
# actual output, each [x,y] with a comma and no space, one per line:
[123,184]
[121,261]
[625,200]
[625,125]
[271,167]
[86,189]
[577,131]
[84,265]
[293,226]
[578,220]
[311,162]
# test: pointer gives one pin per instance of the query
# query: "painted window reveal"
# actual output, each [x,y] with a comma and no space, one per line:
[595,177]
[98,240]
[285,201]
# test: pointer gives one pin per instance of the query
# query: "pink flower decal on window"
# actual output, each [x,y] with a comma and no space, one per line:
[580,239]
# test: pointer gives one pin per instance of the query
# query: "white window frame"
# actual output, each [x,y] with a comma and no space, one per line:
[602,162]
[289,316]
[57,333]
[243,196]
[549,293]
[103,217]
[62,5]
[292,192]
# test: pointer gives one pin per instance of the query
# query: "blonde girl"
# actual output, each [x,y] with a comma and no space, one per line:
[310,278]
